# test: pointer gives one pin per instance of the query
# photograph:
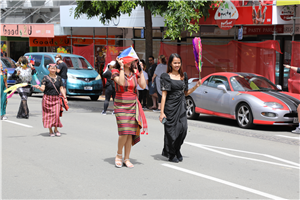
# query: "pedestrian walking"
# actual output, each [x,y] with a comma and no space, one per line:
[62,70]
[109,86]
[297,69]
[3,82]
[128,111]
[52,86]
[23,74]
[160,69]
[174,86]
[143,92]
[152,87]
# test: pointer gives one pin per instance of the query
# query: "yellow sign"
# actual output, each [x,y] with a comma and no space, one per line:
[287,2]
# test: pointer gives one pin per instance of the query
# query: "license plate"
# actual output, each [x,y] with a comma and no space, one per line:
[296,120]
[88,88]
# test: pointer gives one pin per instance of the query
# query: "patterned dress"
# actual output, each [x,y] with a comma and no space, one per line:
[128,110]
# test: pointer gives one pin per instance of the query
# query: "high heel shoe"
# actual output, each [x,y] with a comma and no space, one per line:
[173,159]
[179,156]
[118,161]
[128,164]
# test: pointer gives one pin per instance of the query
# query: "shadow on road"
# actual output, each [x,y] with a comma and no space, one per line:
[47,134]
[112,161]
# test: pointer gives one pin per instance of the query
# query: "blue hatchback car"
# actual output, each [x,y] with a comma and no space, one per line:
[10,65]
[82,80]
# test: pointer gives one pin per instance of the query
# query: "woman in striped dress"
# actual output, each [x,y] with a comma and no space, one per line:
[128,110]
[51,86]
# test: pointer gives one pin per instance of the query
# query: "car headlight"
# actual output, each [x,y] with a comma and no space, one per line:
[98,77]
[274,105]
[71,76]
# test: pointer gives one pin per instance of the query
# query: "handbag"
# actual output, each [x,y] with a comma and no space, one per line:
[63,101]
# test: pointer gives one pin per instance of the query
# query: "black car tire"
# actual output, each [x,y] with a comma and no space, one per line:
[94,97]
[244,116]
[190,109]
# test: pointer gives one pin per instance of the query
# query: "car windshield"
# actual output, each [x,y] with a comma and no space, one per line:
[77,63]
[251,83]
[8,63]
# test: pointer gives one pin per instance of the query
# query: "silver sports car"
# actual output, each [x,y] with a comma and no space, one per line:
[248,98]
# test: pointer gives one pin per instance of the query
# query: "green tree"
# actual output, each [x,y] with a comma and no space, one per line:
[177,14]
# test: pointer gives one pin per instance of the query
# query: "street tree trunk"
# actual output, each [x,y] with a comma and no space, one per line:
[148,34]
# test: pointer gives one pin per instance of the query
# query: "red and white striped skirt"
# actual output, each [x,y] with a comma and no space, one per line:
[51,111]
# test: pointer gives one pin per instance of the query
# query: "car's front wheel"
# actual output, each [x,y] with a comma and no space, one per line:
[244,116]
[94,97]
[190,109]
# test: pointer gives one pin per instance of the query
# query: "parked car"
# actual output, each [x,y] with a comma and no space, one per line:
[83,80]
[10,65]
[248,98]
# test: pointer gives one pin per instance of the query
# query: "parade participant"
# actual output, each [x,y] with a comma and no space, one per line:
[62,70]
[152,88]
[52,86]
[143,92]
[128,111]
[3,74]
[160,69]
[109,86]
[174,86]
[23,74]
[297,69]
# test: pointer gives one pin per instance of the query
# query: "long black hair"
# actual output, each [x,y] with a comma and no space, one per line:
[169,69]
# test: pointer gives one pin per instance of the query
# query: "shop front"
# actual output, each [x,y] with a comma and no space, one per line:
[15,37]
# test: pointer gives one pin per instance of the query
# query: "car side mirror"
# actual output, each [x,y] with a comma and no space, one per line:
[192,80]
[222,87]
[279,87]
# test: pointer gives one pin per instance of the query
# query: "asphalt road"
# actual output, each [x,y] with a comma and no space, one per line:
[221,160]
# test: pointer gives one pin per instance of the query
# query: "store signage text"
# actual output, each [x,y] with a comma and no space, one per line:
[226,15]
[261,30]
[27,30]
[287,12]
[66,41]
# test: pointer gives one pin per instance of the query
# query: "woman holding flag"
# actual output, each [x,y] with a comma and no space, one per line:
[127,108]
[23,74]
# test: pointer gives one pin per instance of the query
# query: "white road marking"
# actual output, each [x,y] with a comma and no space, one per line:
[17,123]
[224,182]
[206,147]
[296,138]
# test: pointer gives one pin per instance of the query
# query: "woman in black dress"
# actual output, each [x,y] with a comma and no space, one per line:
[174,86]
[23,74]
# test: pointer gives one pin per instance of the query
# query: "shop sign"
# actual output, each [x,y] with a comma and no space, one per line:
[286,12]
[261,30]
[289,28]
[226,15]
[66,41]
[27,30]
[246,16]
[287,2]
[282,14]
[44,42]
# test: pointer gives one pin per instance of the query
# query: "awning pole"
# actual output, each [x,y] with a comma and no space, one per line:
[71,41]
[94,45]
[294,23]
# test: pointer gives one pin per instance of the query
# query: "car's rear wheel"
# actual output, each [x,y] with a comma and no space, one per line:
[190,109]
[94,97]
[244,116]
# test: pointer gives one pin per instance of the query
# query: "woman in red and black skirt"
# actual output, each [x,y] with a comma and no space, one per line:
[128,110]
[51,86]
